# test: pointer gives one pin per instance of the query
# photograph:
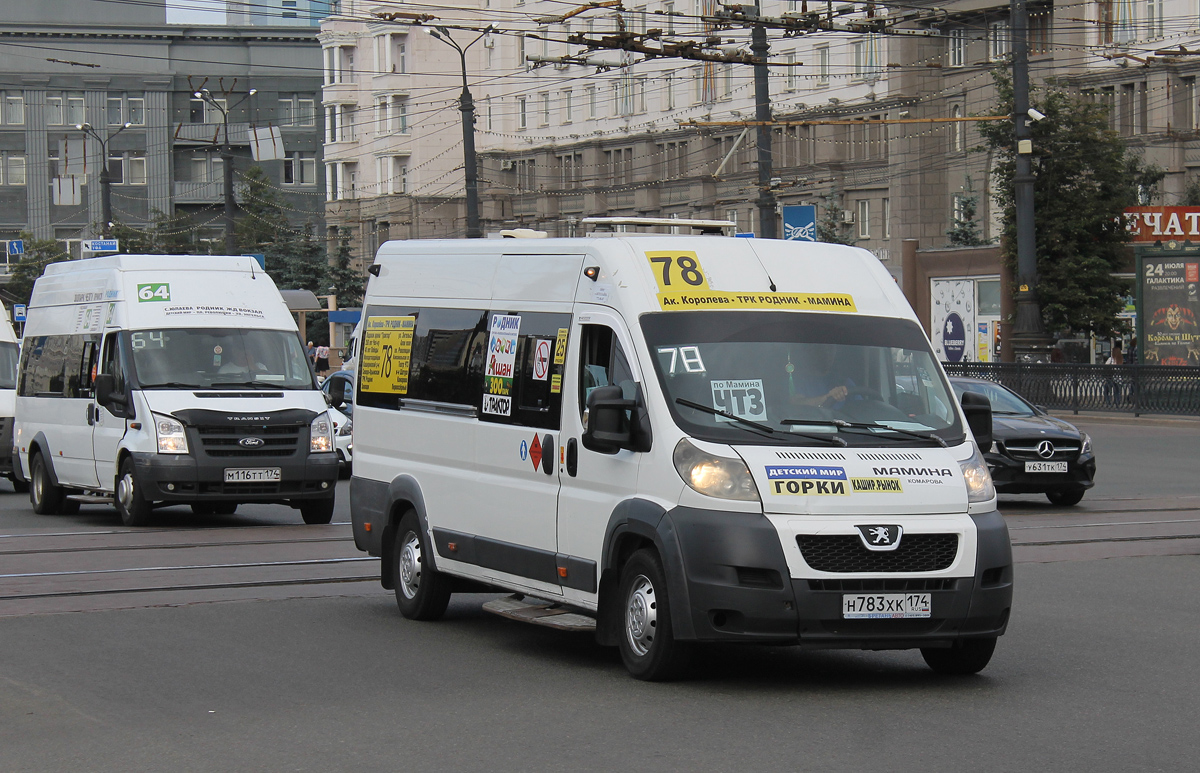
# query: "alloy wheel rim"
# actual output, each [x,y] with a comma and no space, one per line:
[410,565]
[125,491]
[641,616]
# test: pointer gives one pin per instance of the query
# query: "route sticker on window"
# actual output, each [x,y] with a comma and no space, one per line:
[744,399]
[154,292]
[386,354]
[683,285]
[501,364]
[808,480]
[560,346]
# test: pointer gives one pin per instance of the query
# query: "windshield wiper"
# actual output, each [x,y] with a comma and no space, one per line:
[172,385]
[868,426]
[756,426]
[266,384]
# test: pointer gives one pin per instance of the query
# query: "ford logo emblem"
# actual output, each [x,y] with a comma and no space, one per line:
[251,442]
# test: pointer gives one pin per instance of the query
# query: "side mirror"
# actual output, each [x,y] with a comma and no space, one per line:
[336,396]
[608,428]
[979,418]
[104,385]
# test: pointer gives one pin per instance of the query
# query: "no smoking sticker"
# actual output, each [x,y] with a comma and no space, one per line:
[541,359]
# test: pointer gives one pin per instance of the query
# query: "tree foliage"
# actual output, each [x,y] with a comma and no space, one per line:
[263,221]
[965,231]
[39,253]
[1085,178]
[347,283]
[163,235]
[832,227]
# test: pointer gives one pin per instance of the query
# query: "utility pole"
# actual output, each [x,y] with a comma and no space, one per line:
[1030,343]
[466,104]
[762,112]
[226,162]
[105,176]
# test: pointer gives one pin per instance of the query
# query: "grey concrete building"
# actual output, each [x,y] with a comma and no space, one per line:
[111,64]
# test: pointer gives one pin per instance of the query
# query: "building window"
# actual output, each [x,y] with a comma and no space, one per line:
[790,78]
[1041,22]
[339,64]
[999,40]
[205,168]
[619,165]
[1154,20]
[957,129]
[116,168]
[345,123]
[393,174]
[570,170]
[668,87]
[297,110]
[524,168]
[203,112]
[331,182]
[866,58]
[76,109]
[568,106]
[822,65]
[300,168]
[522,113]
[544,98]
[885,209]
[121,109]
[623,98]
[864,219]
[391,54]
[391,114]
[732,216]
[14,109]
[673,159]
[12,168]
[957,48]
[593,100]
[331,116]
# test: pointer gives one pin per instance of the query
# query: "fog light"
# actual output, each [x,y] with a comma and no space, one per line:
[170,487]
[324,484]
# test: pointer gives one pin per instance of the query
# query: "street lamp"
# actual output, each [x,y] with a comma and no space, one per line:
[226,160]
[105,178]
[467,105]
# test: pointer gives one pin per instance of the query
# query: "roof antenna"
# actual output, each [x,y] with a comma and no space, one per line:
[772,281]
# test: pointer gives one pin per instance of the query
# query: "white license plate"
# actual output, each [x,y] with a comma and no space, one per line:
[1045,466]
[242,475]
[885,605]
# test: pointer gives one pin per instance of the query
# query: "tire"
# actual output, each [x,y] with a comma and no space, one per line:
[422,592]
[317,510]
[345,469]
[1065,497]
[45,497]
[967,656]
[647,643]
[133,508]
[19,486]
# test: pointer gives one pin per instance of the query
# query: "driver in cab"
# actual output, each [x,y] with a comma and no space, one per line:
[811,378]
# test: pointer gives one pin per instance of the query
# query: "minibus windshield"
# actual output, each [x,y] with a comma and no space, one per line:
[8,365]
[801,377]
[216,358]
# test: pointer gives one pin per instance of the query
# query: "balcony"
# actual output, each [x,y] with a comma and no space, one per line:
[203,192]
[212,133]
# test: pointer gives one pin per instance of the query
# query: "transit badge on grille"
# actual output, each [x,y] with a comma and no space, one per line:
[880,537]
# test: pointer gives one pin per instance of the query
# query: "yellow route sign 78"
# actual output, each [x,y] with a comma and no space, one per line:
[386,354]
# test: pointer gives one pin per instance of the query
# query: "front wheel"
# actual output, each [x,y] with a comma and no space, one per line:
[133,508]
[647,643]
[1065,497]
[967,656]
[422,592]
[317,510]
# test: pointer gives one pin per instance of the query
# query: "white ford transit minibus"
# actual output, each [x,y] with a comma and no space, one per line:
[674,439]
[9,352]
[150,380]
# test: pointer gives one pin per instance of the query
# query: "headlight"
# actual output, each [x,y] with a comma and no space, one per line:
[171,436]
[1085,446]
[320,434]
[714,476]
[346,429]
[979,480]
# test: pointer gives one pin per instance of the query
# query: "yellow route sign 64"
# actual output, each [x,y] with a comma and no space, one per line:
[386,354]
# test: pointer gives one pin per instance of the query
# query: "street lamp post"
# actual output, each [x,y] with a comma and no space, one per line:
[105,177]
[467,105]
[226,162]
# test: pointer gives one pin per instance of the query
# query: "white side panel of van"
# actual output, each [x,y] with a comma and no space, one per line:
[467,277]
[64,423]
[537,277]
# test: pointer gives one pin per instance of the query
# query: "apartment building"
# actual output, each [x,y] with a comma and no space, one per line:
[132,77]
[611,134]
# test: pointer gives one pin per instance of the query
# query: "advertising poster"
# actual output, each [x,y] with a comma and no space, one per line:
[501,364]
[1171,308]
[952,319]
[386,354]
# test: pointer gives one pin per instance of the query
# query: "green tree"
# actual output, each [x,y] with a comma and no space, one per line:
[163,235]
[347,284]
[1191,193]
[1085,177]
[832,227]
[39,253]
[263,221]
[965,230]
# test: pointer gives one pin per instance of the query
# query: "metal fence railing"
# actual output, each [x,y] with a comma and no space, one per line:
[1135,389]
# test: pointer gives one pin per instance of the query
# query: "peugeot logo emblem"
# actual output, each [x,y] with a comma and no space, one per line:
[880,537]
[1045,449]
[251,442]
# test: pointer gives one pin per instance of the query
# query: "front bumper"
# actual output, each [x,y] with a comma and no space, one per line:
[183,478]
[1009,475]
[736,587]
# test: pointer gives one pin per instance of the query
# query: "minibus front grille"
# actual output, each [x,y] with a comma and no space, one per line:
[278,441]
[884,584]
[844,553]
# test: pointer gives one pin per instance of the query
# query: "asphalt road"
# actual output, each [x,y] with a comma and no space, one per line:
[1097,671]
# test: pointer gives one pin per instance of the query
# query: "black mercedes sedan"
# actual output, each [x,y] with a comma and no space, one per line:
[1032,451]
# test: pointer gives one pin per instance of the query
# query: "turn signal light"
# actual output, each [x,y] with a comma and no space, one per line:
[452,547]
[562,571]
[366,527]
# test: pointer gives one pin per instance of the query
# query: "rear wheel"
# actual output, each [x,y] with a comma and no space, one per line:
[19,486]
[1065,497]
[317,510]
[967,656]
[647,643]
[45,497]
[422,593]
[134,509]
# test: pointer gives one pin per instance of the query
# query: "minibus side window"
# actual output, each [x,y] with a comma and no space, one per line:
[536,383]
[602,362]
[114,366]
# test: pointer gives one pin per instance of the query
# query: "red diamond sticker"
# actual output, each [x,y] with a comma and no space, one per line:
[535,452]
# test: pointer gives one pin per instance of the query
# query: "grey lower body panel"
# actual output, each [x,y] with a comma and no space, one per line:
[738,588]
[7,457]
[183,478]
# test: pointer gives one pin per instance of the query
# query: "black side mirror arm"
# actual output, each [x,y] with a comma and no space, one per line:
[978,410]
